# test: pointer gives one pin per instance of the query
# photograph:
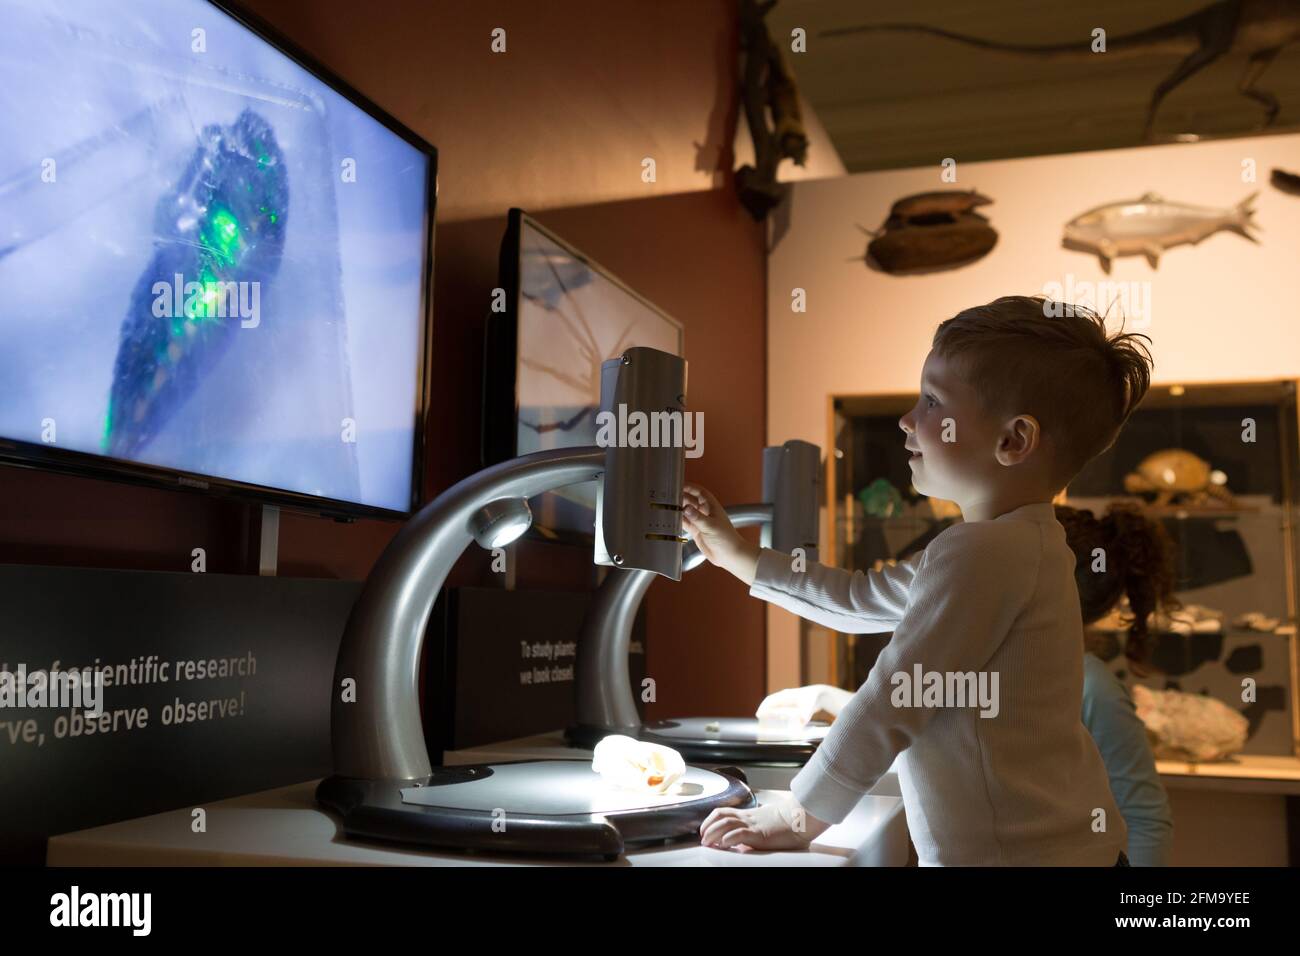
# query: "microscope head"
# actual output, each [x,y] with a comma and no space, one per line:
[792,485]
[642,426]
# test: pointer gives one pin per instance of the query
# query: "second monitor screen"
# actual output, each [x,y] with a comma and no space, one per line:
[572,317]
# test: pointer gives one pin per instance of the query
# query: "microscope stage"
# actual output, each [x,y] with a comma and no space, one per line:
[561,788]
[736,738]
[551,807]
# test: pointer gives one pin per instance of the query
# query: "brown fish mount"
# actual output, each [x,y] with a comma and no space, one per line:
[931,232]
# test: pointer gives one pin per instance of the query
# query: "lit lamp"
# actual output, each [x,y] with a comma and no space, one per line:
[383,786]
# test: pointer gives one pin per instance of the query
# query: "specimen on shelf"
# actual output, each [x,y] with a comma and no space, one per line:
[880,499]
[1256,621]
[1185,619]
[1192,727]
[1176,475]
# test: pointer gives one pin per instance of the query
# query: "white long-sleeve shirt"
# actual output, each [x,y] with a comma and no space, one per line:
[1026,787]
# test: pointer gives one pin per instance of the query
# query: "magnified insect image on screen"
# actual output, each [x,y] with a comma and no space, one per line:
[212,261]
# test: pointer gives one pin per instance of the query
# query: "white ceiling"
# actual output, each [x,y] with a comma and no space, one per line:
[892,100]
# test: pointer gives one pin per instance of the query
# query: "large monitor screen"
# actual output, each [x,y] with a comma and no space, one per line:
[572,315]
[214,264]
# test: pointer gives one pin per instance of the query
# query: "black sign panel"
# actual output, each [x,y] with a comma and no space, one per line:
[501,664]
[213,686]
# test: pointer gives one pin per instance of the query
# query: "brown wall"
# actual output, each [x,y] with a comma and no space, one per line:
[585,90]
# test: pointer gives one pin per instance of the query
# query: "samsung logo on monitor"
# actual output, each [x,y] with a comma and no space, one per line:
[192,483]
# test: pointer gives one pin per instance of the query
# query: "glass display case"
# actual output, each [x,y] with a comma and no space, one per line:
[1215,464]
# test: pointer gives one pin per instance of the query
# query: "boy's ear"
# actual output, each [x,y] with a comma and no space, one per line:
[1020,437]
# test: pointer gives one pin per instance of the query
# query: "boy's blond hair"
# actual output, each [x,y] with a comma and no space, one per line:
[1029,355]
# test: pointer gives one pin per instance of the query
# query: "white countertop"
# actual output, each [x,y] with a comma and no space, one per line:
[285,827]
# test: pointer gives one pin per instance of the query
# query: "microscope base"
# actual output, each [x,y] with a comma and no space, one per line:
[542,807]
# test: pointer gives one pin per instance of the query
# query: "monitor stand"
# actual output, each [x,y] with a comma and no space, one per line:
[268,548]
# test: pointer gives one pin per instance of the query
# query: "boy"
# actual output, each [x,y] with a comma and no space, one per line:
[1015,399]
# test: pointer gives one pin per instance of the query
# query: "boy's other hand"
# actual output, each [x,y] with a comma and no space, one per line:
[706,521]
[780,825]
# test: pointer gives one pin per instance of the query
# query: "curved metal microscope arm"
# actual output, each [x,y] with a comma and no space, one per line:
[380,736]
[604,686]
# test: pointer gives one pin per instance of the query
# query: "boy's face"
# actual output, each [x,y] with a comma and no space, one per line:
[952,438]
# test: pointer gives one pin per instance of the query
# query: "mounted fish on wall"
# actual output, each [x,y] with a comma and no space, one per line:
[1150,225]
[928,232]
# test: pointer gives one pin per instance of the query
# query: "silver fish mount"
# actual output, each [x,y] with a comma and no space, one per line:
[1150,225]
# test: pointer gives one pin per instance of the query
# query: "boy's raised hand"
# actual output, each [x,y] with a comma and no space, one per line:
[706,521]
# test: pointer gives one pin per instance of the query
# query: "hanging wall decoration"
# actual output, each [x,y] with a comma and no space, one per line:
[767,88]
[1150,225]
[1285,181]
[930,231]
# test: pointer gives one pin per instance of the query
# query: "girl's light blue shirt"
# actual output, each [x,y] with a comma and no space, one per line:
[1120,735]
